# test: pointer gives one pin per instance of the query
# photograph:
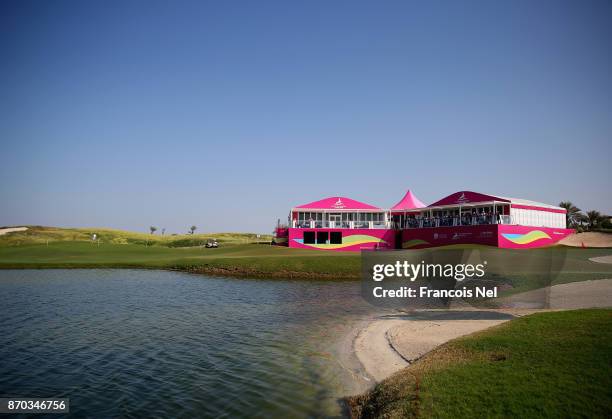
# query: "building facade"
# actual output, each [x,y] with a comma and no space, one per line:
[462,218]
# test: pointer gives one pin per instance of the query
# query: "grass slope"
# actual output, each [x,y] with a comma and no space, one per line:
[543,365]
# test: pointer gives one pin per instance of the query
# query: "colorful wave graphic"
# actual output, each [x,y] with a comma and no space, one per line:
[526,238]
[354,240]
[413,243]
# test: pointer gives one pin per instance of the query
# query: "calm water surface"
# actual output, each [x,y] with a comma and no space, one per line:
[135,343]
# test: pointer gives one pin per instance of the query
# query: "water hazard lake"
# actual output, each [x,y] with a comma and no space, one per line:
[136,343]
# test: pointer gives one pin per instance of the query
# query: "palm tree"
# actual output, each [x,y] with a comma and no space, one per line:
[582,219]
[573,215]
[192,229]
[594,218]
[153,229]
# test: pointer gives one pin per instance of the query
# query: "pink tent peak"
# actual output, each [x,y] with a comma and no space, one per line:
[409,201]
[338,203]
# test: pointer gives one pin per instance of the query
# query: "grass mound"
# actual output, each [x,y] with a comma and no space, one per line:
[542,365]
[44,235]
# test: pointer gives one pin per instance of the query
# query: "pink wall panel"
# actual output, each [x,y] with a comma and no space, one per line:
[418,238]
[352,239]
[525,237]
[506,236]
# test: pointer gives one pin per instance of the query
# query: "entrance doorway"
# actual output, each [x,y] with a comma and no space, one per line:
[337,218]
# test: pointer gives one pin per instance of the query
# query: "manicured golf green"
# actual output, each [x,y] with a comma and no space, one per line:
[542,365]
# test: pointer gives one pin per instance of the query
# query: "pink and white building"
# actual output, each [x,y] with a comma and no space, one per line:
[340,223]
[462,218]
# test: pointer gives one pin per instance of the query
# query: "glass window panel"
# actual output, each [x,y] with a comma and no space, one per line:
[335,237]
[309,237]
[322,237]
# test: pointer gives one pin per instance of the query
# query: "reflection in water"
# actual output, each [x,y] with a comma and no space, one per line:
[166,344]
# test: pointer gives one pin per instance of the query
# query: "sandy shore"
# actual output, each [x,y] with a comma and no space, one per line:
[391,342]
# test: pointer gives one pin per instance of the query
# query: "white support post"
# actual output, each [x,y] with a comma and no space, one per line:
[494,215]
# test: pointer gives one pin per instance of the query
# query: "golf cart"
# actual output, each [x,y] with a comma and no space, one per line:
[212,244]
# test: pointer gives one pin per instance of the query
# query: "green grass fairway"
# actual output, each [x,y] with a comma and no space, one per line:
[542,365]
[239,254]
[255,260]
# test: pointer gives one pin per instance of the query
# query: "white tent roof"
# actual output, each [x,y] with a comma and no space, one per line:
[520,201]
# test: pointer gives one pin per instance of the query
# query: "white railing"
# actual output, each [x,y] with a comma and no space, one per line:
[422,222]
[340,224]
[448,221]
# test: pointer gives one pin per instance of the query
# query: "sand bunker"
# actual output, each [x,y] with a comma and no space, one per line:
[4,231]
[592,239]
[602,259]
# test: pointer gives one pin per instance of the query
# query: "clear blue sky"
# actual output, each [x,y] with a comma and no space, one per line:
[226,114]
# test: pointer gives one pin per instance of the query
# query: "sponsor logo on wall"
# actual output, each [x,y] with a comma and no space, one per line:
[459,236]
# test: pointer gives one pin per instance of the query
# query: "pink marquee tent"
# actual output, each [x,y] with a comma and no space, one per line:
[409,201]
[337,203]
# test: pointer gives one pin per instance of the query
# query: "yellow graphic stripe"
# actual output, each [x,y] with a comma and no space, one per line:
[353,240]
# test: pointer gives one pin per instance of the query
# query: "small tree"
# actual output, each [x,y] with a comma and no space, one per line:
[192,229]
[153,229]
[163,231]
